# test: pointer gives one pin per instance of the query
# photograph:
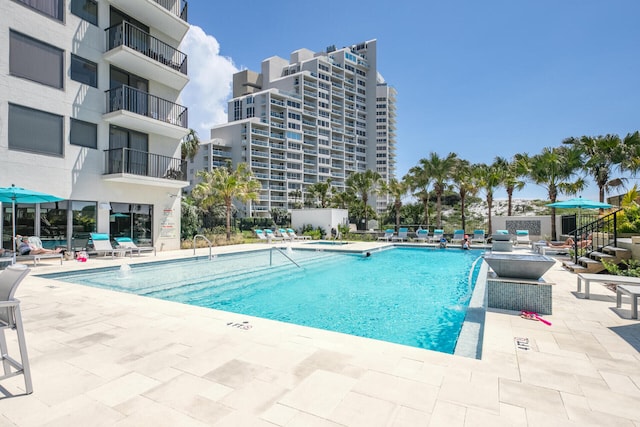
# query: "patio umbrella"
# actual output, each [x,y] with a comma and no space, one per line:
[15,195]
[580,204]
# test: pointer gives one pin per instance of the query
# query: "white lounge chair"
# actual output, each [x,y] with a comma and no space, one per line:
[260,234]
[271,236]
[388,235]
[284,234]
[478,236]
[458,236]
[126,242]
[294,236]
[36,242]
[402,235]
[437,236]
[522,237]
[102,245]
[10,318]
[422,235]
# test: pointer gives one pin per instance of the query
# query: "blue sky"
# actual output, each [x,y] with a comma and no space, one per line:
[478,78]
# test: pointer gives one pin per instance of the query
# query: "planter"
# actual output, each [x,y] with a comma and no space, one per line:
[522,266]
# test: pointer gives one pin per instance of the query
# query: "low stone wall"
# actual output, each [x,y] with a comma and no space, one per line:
[518,294]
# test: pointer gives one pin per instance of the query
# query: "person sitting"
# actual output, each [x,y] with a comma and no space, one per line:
[443,242]
[570,243]
[465,243]
[27,248]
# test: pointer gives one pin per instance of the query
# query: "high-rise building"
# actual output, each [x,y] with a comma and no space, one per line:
[320,116]
[89,101]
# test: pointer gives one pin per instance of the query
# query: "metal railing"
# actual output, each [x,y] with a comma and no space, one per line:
[207,240]
[178,8]
[283,254]
[127,34]
[602,232]
[143,103]
[136,162]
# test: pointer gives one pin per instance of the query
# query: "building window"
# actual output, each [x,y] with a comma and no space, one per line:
[85,9]
[52,8]
[84,71]
[84,134]
[34,130]
[31,59]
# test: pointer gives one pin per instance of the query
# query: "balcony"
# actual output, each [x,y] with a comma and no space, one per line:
[132,49]
[140,167]
[133,109]
[168,16]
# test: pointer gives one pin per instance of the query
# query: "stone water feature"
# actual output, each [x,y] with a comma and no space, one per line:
[522,266]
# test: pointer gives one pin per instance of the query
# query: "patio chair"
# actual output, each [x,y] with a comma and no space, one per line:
[284,234]
[102,245]
[294,236]
[388,235]
[478,236]
[36,242]
[522,237]
[458,236]
[260,234]
[422,235]
[271,236]
[126,242]
[437,236]
[402,235]
[10,318]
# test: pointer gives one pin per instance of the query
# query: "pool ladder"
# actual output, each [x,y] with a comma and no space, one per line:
[284,254]
[207,240]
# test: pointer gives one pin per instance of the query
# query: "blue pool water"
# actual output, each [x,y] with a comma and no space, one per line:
[411,296]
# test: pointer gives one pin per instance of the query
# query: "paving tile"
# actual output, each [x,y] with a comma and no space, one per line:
[532,397]
[123,388]
[312,394]
[410,393]
[279,414]
[358,410]
[448,414]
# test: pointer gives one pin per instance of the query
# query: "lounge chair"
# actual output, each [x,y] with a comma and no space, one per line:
[478,236]
[260,234]
[402,235]
[388,235]
[422,235]
[102,245]
[284,234]
[271,236]
[36,242]
[458,236]
[126,242]
[10,318]
[437,236]
[522,237]
[294,236]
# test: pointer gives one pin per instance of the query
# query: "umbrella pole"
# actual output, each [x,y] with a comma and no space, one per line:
[13,236]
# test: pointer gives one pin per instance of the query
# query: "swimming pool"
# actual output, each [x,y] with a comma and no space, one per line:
[411,296]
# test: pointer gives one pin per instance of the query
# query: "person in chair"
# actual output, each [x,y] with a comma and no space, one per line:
[26,248]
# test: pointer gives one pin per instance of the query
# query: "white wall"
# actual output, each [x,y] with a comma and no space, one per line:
[323,218]
[539,226]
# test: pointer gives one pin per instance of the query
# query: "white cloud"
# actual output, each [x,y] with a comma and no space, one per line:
[210,84]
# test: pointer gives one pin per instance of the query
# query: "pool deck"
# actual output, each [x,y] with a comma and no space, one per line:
[104,358]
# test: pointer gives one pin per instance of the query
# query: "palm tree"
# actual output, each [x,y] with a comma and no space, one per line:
[556,170]
[487,177]
[419,182]
[189,145]
[397,189]
[321,191]
[363,183]
[342,199]
[510,178]
[601,155]
[222,186]
[466,185]
[440,171]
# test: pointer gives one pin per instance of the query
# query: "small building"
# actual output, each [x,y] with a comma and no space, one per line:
[326,219]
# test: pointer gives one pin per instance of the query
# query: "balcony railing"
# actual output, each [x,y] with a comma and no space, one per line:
[135,162]
[126,34]
[178,8]
[143,103]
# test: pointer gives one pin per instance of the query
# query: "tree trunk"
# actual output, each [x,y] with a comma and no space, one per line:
[228,206]
[510,201]
[489,203]
[464,219]
[439,208]
[398,206]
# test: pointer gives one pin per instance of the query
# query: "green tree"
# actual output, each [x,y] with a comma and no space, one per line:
[396,189]
[419,183]
[555,169]
[342,199]
[487,178]
[510,178]
[439,170]
[321,191]
[463,180]
[222,185]
[189,145]
[362,184]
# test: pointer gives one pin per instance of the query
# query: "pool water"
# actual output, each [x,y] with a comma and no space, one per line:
[411,296]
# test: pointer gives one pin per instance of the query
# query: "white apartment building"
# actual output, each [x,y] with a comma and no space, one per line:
[315,117]
[90,112]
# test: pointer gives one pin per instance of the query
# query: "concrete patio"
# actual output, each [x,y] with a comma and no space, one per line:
[105,358]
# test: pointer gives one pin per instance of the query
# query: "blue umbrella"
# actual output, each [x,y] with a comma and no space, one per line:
[15,195]
[580,204]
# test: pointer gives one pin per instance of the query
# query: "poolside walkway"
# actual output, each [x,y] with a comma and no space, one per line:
[105,358]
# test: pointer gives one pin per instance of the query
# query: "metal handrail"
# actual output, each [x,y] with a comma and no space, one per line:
[131,99]
[207,240]
[285,255]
